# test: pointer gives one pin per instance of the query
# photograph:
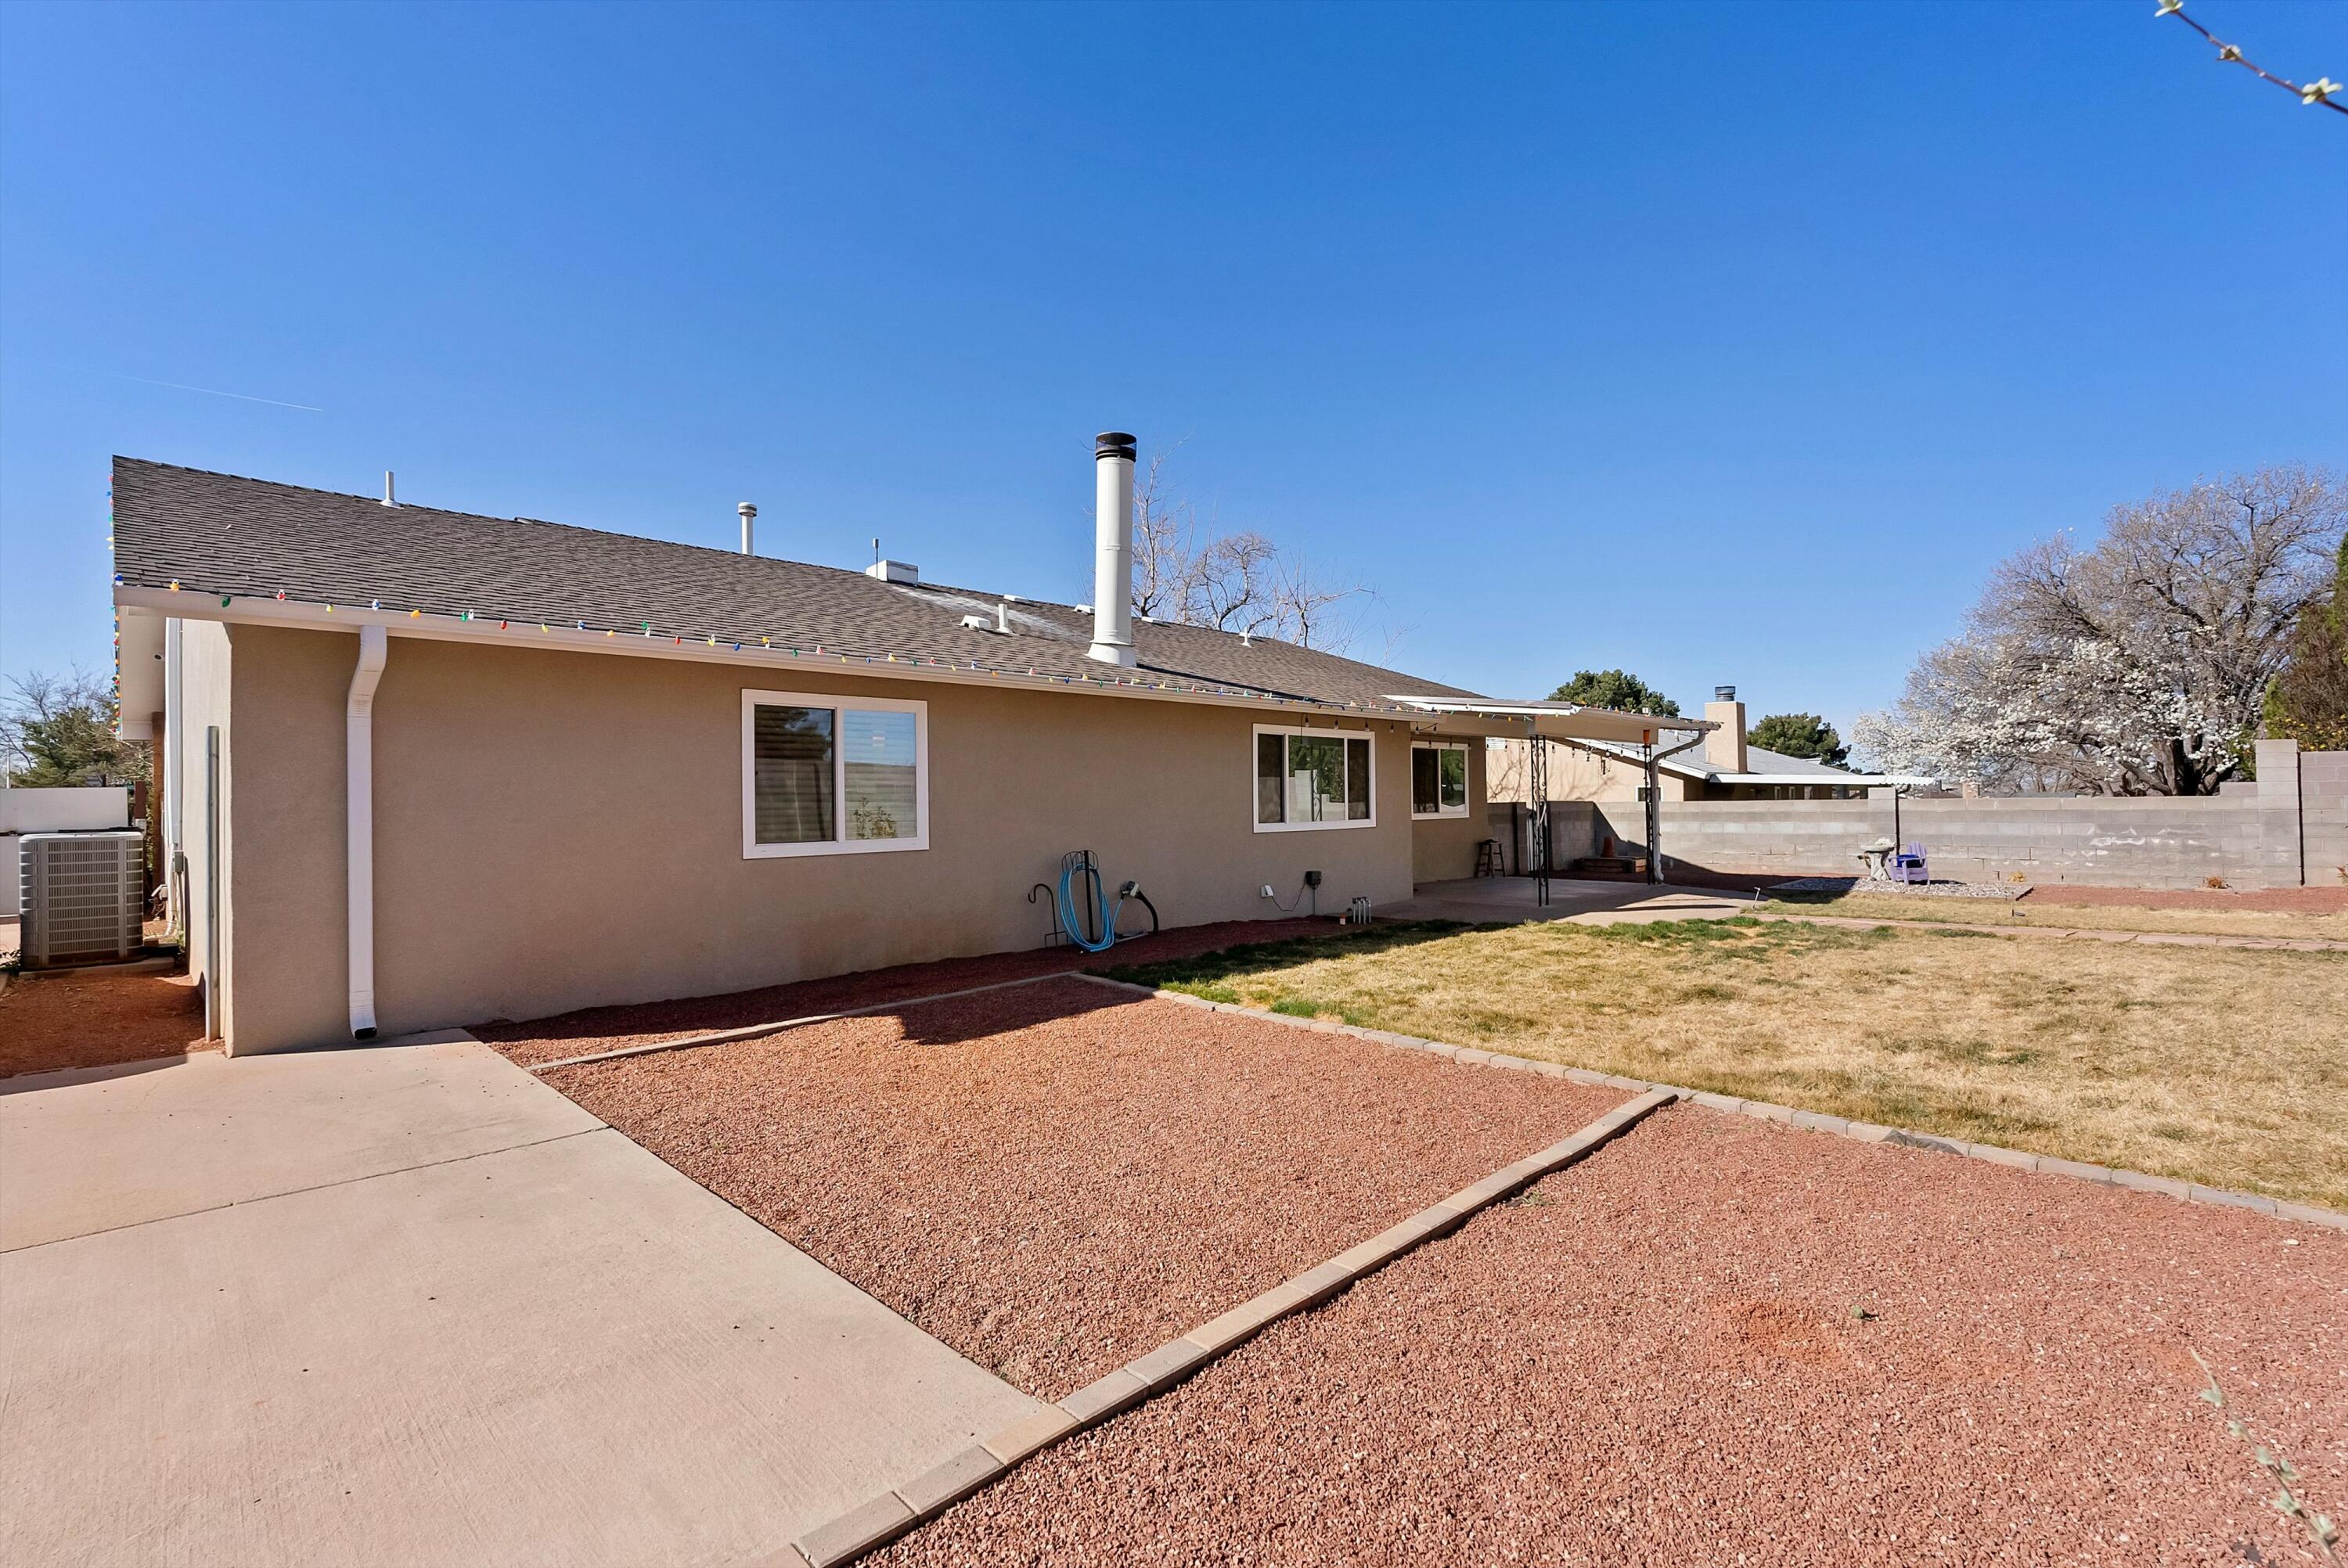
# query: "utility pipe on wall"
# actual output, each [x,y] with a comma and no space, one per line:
[359,818]
[1113,453]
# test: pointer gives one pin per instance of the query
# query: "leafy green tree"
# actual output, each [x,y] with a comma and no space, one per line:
[1617,690]
[1799,735]
[2307,701]
[57,732]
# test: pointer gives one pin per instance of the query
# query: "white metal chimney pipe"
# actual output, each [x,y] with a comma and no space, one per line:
[749,515]
[1113,565]
[388,499]
[358,818]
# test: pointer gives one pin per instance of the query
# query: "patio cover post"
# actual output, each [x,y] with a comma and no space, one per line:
[1537,787]
[1654,798]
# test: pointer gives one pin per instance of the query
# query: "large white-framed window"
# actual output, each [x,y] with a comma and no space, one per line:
[1438,778]
[1305,779]
[833,775]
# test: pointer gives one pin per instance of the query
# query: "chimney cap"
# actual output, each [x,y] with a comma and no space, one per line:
[1113,444]
[747,508]
[1723,694]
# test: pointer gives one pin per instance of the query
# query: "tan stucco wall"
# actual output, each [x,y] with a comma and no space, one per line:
[1444,848]
[563,830]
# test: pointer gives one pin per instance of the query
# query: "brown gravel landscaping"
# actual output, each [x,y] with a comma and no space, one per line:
[1720,1341]
[1056,1178]
[596,1029]
[97,1018]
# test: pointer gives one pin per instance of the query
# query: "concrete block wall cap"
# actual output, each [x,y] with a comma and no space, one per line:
[1167,1364]
[1039,1427]
[1104,1397]
[2255,1202]
[859,1530]
[951,1481]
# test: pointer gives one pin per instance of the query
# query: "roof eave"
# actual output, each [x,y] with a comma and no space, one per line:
[189,604]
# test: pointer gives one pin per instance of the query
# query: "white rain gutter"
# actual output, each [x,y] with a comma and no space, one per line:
[358,748]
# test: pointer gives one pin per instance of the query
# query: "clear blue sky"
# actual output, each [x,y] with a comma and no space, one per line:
[1726,343]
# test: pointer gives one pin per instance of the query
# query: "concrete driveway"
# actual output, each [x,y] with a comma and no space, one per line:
[405,1303]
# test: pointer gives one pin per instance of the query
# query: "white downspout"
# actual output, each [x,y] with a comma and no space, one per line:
[359,818]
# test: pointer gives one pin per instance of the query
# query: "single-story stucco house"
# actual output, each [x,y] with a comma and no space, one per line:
[423,768]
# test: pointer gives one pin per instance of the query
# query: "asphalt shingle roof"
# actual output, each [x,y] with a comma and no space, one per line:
[221,534]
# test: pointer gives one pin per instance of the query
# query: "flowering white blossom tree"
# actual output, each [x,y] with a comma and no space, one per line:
[2139,667]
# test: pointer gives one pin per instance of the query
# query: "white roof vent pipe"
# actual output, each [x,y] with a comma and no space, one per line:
[1113,560]
[388,499]
[749,516]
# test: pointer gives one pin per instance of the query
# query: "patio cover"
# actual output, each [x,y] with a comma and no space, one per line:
[1556,721]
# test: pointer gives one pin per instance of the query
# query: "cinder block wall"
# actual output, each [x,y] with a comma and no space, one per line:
[2323,817]
[2257,836]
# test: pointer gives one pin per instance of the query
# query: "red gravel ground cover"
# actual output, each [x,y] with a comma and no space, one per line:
[615,1028]
[96,1017]
[1056,1178]
[1655,1358]
[2272,900]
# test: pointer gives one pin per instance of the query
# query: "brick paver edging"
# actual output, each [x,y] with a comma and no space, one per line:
[1812,1121]
[880,1519]
[2079,934]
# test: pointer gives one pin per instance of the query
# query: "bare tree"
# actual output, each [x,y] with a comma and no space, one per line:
[1237,581]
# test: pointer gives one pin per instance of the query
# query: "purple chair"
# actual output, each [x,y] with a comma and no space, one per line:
[1908,866]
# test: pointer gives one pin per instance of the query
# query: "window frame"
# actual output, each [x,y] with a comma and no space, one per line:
[1466,782]
[1309,732]
[840,704]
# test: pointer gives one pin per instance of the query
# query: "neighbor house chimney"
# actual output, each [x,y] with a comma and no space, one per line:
[749,515]
[1113,563]
[1724,748]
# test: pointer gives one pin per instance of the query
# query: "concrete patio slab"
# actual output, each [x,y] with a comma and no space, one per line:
[559,1351]
[1587,903]
[98,1147]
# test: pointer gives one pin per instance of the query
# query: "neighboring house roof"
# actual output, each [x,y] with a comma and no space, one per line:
[258,542]
[1761,766]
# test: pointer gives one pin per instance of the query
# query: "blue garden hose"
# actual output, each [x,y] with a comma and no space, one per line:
[1070,863]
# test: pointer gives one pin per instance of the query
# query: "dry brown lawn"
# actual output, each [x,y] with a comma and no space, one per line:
[2325,928]
[2223,1066]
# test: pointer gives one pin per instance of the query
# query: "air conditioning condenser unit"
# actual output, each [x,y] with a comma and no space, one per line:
[84,896]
